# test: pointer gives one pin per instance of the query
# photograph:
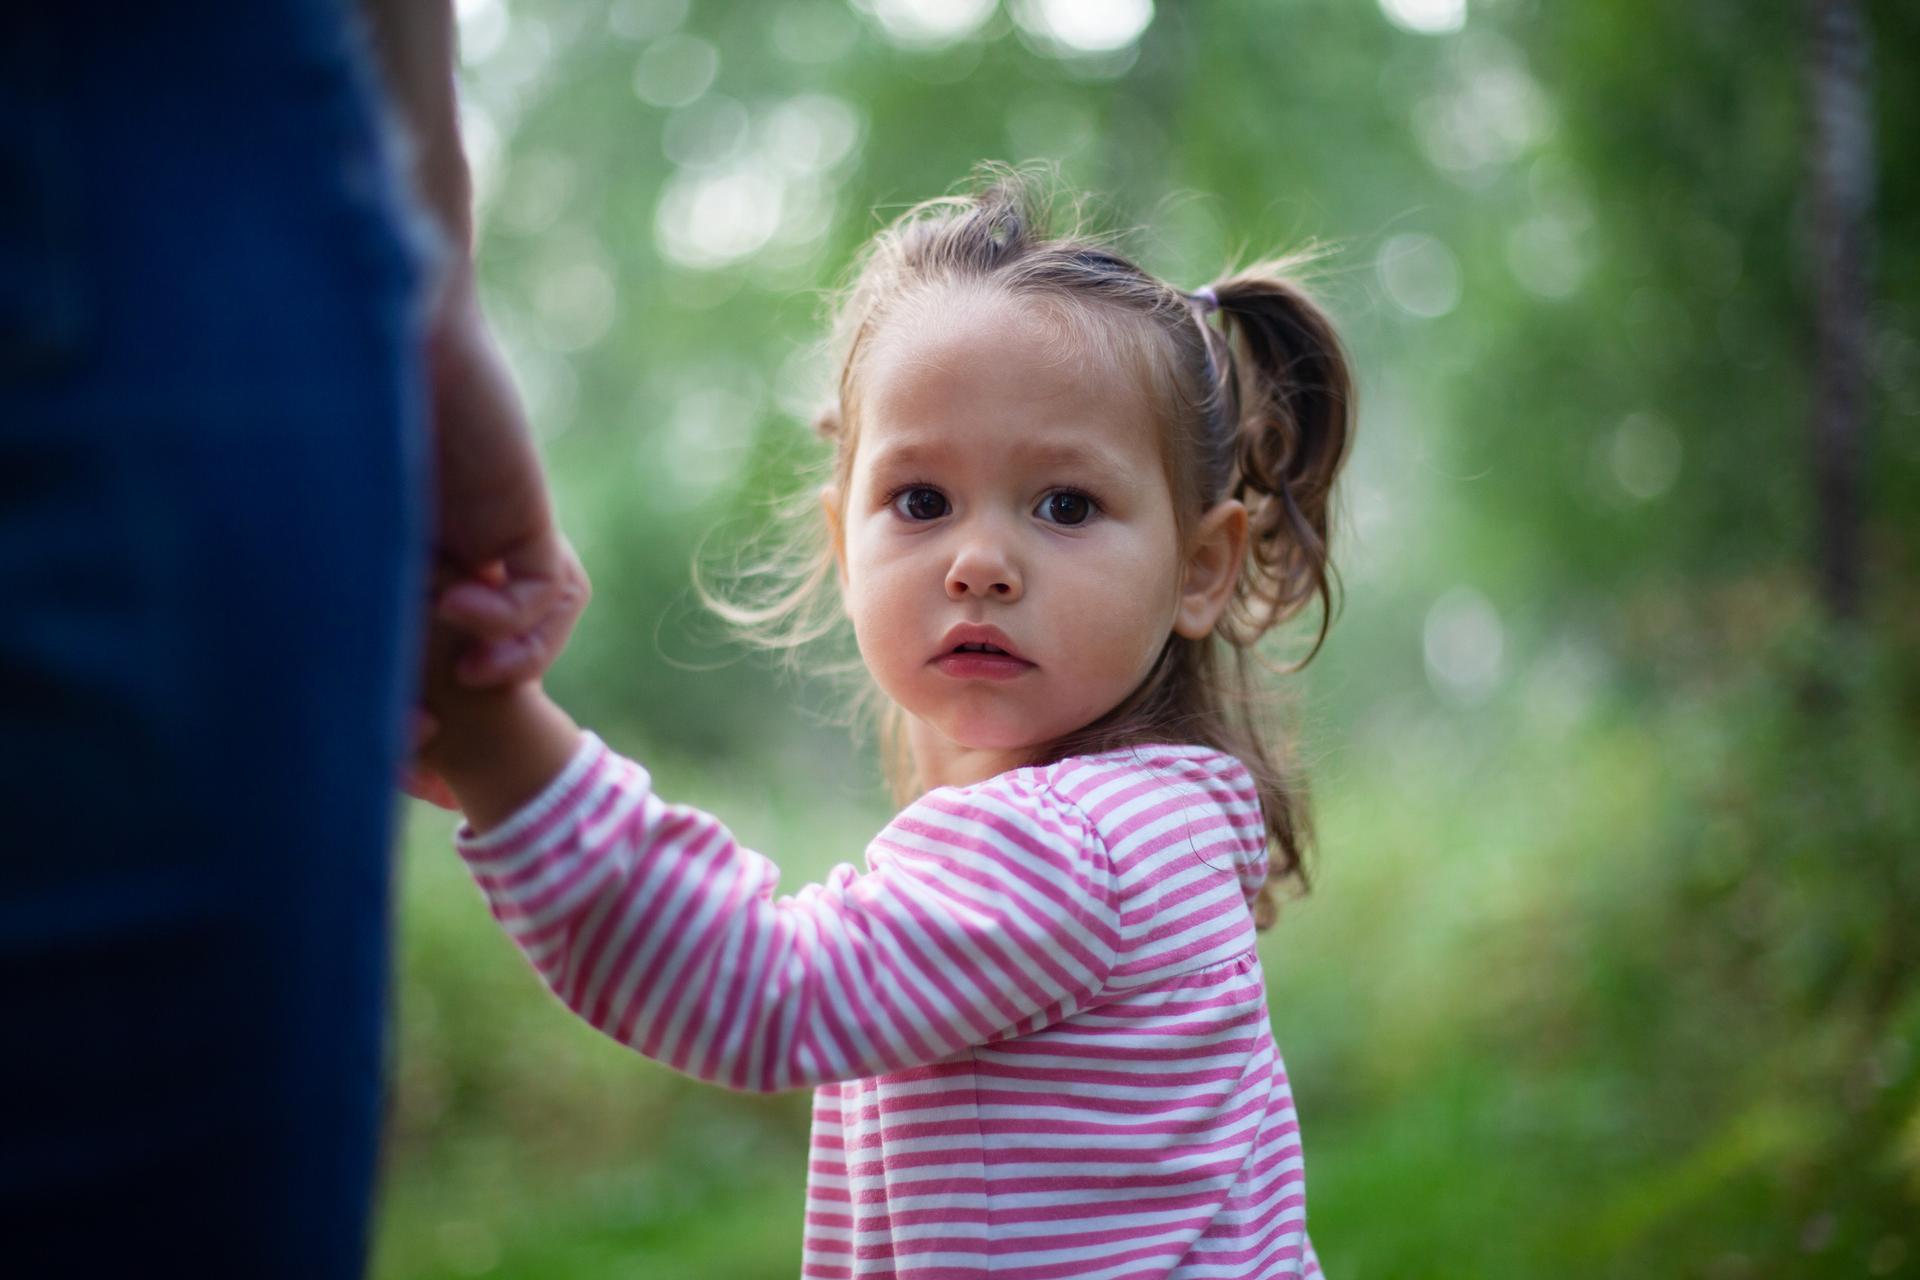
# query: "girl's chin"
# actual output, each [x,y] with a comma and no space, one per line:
[984,736]
[992,743]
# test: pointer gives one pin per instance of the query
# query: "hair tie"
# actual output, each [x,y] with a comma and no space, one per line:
[1206,302]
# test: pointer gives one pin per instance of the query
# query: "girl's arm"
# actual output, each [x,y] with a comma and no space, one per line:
[988,911]
[497,749]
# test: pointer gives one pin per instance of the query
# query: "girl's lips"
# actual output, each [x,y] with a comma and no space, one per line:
[976,635]
[982,666]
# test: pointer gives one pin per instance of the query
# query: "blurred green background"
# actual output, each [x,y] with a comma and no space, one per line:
[1610,967]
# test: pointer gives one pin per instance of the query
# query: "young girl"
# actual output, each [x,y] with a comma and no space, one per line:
[1064,505]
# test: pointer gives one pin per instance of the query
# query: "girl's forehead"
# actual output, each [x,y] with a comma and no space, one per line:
[997,372]
[982,344]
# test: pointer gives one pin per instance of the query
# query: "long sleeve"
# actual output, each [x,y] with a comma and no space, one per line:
[986,911]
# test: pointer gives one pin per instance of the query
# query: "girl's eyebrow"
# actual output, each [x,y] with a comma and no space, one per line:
[1071,454]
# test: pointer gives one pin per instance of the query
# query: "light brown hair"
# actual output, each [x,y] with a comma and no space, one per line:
[1262,412]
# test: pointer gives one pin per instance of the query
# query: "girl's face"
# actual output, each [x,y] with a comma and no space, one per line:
[1007,545]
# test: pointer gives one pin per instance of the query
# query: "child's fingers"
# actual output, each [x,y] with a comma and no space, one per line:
[501,662]
[507,611]
[424,727]
[480,609]
[420,782]
[476,600]
[424,785]
[511,659]
[516,614]
[545,611]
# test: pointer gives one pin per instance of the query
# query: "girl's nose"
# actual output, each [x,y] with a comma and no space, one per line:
[982,570]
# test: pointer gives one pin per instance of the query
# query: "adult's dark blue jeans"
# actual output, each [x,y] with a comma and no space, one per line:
[211,553]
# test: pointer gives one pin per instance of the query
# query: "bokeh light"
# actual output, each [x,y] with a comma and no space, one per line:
[1427,17]
[1420,274]
[674,70]
[1084,26]
[1464,644]
[928,24]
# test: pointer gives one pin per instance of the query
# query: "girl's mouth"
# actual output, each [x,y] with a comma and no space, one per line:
[981,662]
[976,651]
[978,638]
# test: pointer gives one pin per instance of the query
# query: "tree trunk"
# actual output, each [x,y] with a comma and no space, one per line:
[1841,161]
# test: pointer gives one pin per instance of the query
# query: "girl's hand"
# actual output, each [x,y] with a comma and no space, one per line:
[486,752]
[517,613]
[470,647]
[421,782]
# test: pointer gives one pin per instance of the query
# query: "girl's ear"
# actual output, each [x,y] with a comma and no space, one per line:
[1214,555]
[836,531]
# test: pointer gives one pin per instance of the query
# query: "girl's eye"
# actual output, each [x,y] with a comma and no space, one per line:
[920,503]
[1064,506]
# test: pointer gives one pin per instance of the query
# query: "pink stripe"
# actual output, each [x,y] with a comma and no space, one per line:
[675,867]
[530,905]
[909,980]
[1005,971]
[1038,989]
[1185,1227]
[1035,1047]
[825,1017]
[1070,860]
[711,1066]
[1216,858]
[972,1025]
[1206,898]
[587,948]
[1237,928]
[881,1053]
[996,1157]
[560,812]
[909,1131]
[1033,1102]
[877,1001]
[1235,1015]
[1093,1102]
[1098,1178]
[1086,1075]
[1221,1257]
[1067,860]
[758,1023]
[1103,808]
[682,950]
[743,929]
[1047,925]
[1198,821]
[507,882]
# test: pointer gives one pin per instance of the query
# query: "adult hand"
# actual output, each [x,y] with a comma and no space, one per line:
[506,582]
[504,577]
[505,574]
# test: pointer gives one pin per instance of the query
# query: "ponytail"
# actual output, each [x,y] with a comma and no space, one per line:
[1294,389]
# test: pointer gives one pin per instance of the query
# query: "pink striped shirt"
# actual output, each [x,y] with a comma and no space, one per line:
[1037,1022]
